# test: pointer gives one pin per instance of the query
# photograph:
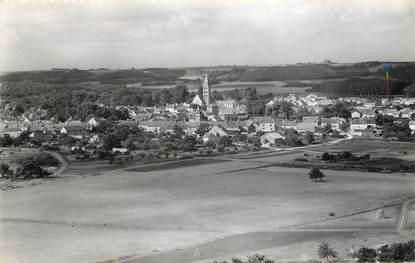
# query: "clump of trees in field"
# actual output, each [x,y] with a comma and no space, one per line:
[395,252]
[343,156]
[30,167]
[316,175]
[251,259]
[5,170]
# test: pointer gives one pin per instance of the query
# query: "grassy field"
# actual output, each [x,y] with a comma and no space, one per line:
[141,213]
[379,148]
[385,156]
[263,87]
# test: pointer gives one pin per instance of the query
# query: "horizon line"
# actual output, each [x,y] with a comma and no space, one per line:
[210,66]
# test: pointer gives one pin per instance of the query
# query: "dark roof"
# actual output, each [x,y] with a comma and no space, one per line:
[74,128]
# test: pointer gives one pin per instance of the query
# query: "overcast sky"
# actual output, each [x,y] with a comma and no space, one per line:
[125,34]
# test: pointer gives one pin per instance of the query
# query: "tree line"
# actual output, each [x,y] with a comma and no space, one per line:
[360,87]
[80,101]
[160,75]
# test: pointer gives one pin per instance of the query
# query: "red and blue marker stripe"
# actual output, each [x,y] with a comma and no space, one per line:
[387,79]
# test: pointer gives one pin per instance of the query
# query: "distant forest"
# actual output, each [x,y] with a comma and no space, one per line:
[153,76]
[360,87]
[402,71]
[401,76]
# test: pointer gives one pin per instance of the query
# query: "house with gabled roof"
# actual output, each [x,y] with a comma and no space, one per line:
[264,124]
[232,126]
[335,123]
[359,125]
[306,126]
[94,122]
[312,119]
[367,113]
[271,139]
[286,124]
[356,114]
[218,130]
[74,131]
[197,100]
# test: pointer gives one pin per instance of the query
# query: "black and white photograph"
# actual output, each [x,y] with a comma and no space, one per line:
[207,131]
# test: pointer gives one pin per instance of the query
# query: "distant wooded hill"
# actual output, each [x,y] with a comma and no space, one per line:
[404,71]
[366,78]
[162,76]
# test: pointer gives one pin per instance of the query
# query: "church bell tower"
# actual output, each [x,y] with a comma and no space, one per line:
[206,91]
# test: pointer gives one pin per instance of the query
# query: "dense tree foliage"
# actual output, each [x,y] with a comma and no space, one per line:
[316,175]
[31,167]
[292,138]
[150,76]
[398,252]
[403,71]
[409,91]
[325,251]
[81,101]
[365,254]
[339,109]
[399,130]
[256,103]
[360,87]
[251,259]
[283,109]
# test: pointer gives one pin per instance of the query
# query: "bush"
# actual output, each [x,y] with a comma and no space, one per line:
[316,175]
[30,169]
[49,147]
[4,168]
[345,155]
[300,160]
[225,141]
[327,157]
[251,259]
[365,254]
[105,154]
[259,259]
[46,159]
[398,252]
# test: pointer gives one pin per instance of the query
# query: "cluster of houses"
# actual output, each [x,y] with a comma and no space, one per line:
[222,118]
[363,118]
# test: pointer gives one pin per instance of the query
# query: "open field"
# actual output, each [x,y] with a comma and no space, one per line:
[275,87]
[379,148]
[149,215]
[388,155]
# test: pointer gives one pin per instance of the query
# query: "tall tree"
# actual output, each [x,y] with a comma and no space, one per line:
[325,251]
